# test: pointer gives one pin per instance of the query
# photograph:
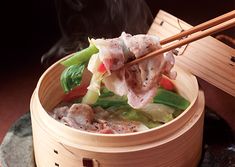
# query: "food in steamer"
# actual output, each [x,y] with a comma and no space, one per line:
[102,95]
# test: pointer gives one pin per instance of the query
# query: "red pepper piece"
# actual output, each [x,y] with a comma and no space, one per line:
[101,68]
[167,84]
[75,93]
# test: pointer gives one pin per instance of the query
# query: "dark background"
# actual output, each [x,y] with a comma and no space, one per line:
[30,28]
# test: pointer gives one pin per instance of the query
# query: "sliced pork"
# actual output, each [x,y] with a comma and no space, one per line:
[83,117]
[113,53]
[82,113]
[138,82]
[79,116]
[60,112]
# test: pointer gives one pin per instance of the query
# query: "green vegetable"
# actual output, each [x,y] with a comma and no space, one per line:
[71,77]
[135,115]
[92,95]
[104,92]
[159,112]
[109,99]
[106,103]
[80,57]
[171,99]
[177,113]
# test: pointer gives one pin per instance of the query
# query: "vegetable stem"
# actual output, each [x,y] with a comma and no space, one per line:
[80,56]
[92,95]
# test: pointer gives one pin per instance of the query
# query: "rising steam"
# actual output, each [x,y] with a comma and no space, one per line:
[80,19]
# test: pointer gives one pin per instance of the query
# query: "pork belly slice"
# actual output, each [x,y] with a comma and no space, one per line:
[113,126]
[82,113]
[60,112]
[80,116]
[139,82]
[83,117]
[113,53]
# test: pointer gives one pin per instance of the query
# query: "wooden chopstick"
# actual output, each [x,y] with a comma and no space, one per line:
[200,27]
[200,34]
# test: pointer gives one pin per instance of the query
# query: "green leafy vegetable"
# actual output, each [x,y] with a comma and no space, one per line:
[104,92]
[80,57]
[159,112]
[71,77]
[106,103]
[135,115]
[109,99]
[171,99]
[177,113]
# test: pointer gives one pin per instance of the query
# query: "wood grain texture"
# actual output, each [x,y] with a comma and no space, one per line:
[206,58]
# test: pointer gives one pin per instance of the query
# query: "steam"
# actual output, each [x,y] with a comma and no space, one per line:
[80,19]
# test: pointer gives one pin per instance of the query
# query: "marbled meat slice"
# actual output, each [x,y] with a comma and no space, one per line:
[140,82]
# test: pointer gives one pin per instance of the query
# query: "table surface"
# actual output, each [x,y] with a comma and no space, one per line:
[218,144]
[15,94]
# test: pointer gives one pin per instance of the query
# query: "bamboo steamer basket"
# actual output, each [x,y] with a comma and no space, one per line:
[176,143]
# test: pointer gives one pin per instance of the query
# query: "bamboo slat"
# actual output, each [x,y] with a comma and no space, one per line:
[206,58]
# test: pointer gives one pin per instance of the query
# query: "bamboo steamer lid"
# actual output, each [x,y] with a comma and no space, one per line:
[207,58]
[176,143]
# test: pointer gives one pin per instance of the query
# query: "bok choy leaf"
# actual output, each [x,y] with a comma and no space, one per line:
[71,77]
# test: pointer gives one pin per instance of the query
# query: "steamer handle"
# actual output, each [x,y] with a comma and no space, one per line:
[88,162]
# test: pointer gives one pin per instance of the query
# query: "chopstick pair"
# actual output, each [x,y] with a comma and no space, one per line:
[210,27]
